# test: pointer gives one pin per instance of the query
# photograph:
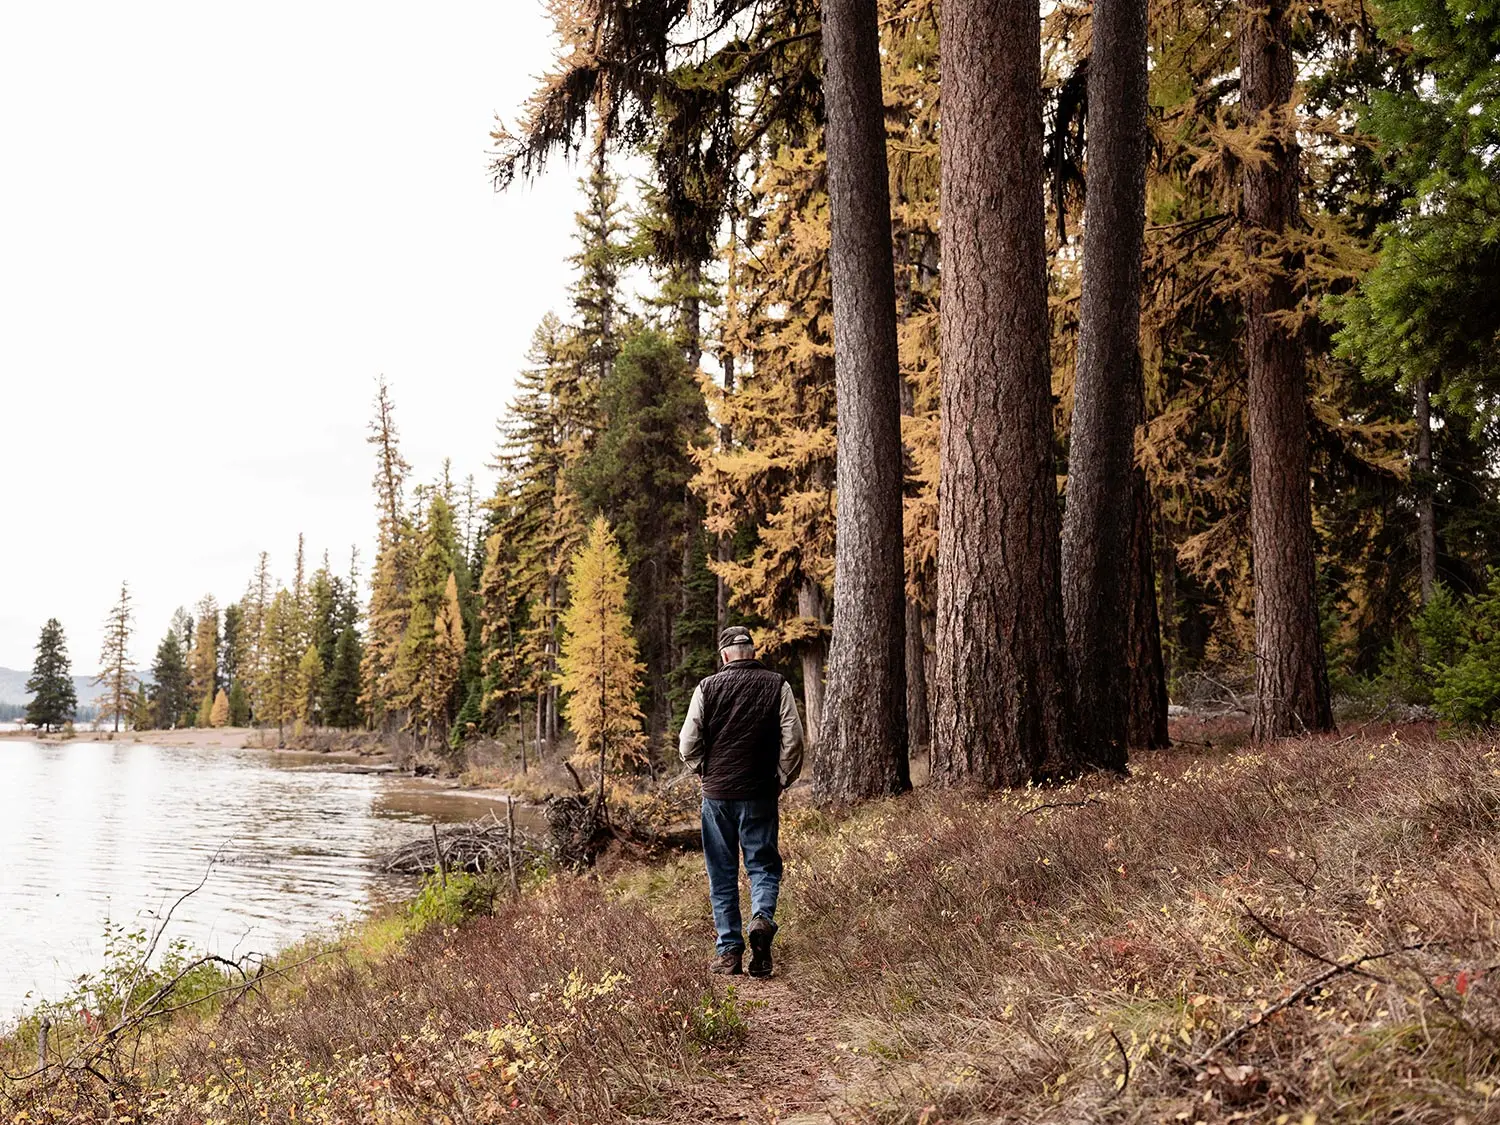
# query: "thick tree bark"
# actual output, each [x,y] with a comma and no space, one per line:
[1099,547]
[918,729]
[1426,513]
[929,667]
[811,604]
[1291,677]
[724,548]
[1146,717]
[918,725]
[1001,684]
[863,749]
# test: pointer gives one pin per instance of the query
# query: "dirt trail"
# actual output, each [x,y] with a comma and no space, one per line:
[790,1070]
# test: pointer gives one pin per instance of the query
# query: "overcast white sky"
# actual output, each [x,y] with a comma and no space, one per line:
[218,224]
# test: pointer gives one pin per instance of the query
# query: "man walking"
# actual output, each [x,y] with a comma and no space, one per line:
[742,734]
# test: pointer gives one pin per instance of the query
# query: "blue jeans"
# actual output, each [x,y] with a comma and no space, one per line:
[730,827]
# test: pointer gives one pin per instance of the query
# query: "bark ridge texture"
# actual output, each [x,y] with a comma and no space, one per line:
[1000,688]
[1291,678]
[1106,646]
[862,749]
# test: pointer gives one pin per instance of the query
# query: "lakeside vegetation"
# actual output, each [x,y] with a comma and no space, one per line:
[1231,935]
[1218,423]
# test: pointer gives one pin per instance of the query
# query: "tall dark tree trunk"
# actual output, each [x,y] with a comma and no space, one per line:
[724,548]
[1146,717]
[1426,513]
[1104,482]
[812,605]
[929,666]
[918,726]
[1001,684]
[919,730]
[1291,676]
[863,750]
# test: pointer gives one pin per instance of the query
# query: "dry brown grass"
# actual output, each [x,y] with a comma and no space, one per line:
[1006,958]
[945,958]
[564,1007]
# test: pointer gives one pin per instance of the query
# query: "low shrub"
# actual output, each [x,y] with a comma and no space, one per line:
[451,900]
[1452,659]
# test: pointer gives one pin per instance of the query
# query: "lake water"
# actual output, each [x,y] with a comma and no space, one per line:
[96,831]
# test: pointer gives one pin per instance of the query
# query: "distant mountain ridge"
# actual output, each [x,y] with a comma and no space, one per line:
[13,688]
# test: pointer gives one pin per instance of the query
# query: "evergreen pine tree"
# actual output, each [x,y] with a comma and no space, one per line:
[139,708]
[468,718]
[600,675]
[172,703]
[116,670]
[281,639]
[239,705]
[502,617]
[342,692]
[310,687]
[251,659]
[203,657]
[636,476]
[53,698]
[390,595]
[229,644]
[428,664]
[547,429]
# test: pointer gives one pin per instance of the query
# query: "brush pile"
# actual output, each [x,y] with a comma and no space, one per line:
[481,845]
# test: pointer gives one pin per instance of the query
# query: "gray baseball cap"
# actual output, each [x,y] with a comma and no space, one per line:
[733,636]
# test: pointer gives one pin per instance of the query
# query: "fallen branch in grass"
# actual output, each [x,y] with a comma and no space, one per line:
[1125,1060]
[1336,969]
[1059,805]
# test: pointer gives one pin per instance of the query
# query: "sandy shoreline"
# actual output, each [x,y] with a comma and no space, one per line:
[209,738]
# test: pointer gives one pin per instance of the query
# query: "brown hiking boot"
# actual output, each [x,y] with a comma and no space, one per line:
[725,964]
[760,933]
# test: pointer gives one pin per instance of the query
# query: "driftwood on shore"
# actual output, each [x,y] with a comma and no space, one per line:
[482,845]
[578,830]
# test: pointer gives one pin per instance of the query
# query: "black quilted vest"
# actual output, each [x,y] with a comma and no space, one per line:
[742,732]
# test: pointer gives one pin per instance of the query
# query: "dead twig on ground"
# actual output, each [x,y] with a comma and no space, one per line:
[1335,969]
[1059,805]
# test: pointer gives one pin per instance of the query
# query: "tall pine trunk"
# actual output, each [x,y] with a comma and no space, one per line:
[1426,513]
[812,605]
[1146,718]
[1001,684]
[1291,677]
[862,750]
[917,711]
[1099,541]
[918,726]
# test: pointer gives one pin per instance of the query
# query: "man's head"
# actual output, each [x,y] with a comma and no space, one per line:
[735,644]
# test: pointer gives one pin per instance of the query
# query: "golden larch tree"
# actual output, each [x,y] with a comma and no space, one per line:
[601,675]
[309,684]
[446,659]
[279,642]
[218,716]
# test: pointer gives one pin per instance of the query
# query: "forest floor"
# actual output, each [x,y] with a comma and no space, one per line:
[1286,934]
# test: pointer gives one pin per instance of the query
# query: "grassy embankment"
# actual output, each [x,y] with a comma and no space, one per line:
[1306,932]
